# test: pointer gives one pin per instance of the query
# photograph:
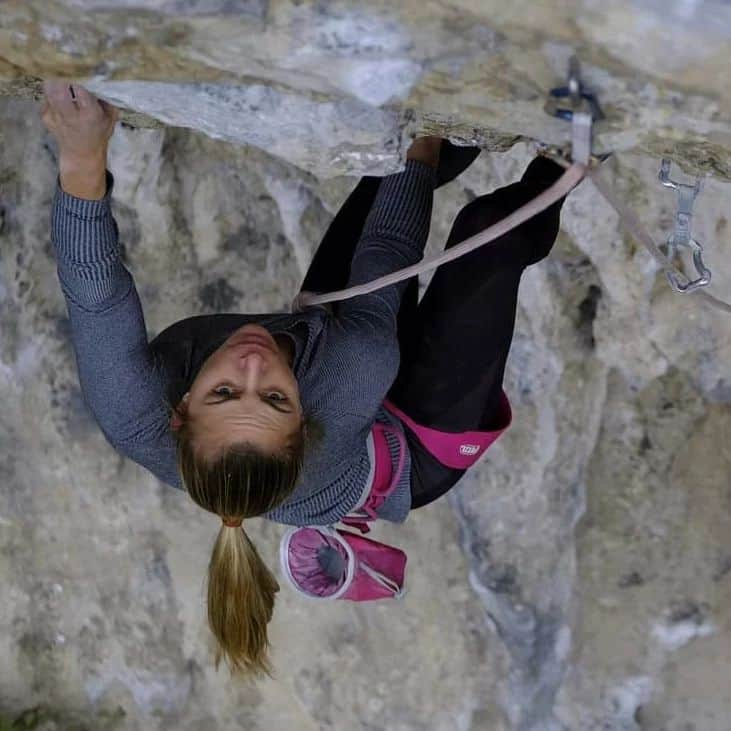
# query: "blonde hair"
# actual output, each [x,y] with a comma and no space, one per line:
[240,483]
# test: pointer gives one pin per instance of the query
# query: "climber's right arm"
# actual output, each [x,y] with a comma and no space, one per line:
[395,231]
[118,379]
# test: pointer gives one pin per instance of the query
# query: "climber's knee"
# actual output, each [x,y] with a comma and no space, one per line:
[479,214]
[525,244]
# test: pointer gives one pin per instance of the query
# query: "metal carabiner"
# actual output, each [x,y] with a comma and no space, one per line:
[681,236]
[705,273]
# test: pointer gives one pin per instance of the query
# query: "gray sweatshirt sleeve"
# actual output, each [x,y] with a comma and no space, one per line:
[119,382]
[394,237]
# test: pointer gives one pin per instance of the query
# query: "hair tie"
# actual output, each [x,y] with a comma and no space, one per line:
[232,523]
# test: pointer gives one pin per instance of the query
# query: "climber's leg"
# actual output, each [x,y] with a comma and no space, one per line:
[451,378]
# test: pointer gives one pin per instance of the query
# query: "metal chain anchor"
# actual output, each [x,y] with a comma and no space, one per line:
[681,236]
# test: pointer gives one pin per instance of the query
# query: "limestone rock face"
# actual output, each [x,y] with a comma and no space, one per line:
[340,87]
[579,577]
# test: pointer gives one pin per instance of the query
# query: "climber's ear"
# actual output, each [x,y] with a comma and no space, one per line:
[176,420]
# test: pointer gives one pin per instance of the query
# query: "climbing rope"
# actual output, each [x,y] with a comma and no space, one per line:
[582,113]
[574,174]
[560,188]
[631,222]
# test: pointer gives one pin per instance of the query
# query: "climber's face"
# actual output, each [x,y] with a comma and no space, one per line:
[245,392]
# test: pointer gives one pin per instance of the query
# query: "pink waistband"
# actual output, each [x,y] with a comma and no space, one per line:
[457,450]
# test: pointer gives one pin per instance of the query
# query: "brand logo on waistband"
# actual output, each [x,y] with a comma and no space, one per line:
[469,449]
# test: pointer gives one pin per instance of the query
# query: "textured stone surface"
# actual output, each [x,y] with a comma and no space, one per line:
[579,577]
[339,87]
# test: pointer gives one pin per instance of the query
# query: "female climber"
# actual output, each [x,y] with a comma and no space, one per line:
[274,415]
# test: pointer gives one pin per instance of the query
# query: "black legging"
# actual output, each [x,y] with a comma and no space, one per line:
[454,343]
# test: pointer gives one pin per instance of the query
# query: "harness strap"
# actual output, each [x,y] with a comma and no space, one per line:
[383,479]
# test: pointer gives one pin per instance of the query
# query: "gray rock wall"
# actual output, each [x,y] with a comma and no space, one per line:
[339,87]
[580,576]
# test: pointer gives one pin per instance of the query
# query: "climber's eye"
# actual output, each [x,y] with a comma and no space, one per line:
[274,398]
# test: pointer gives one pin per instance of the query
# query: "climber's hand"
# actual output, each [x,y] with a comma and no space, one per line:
[82,127]
[426,150]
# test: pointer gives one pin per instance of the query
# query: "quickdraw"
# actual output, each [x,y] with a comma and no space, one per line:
[681,236]
[581,162]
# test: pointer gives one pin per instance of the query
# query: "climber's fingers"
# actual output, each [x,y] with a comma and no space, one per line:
[81,123]
[59,97]
[87,100]
[84,98]
[47,116]
[45,111]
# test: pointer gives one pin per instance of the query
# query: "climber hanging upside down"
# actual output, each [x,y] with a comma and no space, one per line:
[292,417]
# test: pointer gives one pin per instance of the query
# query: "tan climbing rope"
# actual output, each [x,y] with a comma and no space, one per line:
[628,218]
[560,188]
[583,110]
[574,174]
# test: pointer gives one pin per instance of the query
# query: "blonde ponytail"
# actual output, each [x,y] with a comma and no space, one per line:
[240,483]
[241,593]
